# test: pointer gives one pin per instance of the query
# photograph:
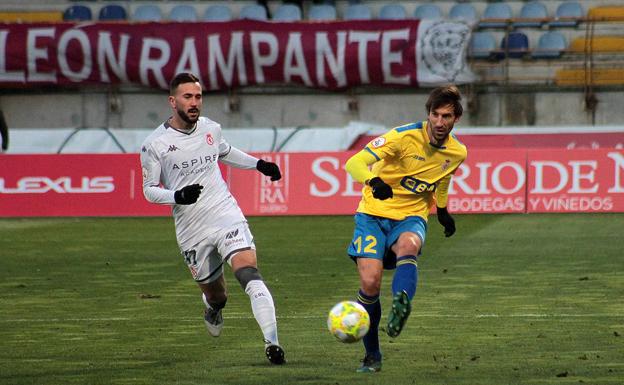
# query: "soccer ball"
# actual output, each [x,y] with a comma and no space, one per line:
[348,321]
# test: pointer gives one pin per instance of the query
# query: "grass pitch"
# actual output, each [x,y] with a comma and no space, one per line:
[510,299]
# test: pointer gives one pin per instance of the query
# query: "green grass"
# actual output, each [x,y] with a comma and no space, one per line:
[510,299]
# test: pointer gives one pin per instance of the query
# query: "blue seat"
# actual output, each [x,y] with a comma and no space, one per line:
[532,15]
[568,14]
[321,12]
[482,45]
[287,12]
[253,12]
[358,12]
[218,12]
[147,12]
[77,12]
[516,44]
[392,12]
[551,45]
[465,12]
[428,12]
[183,13]
[495,15]
[112,12]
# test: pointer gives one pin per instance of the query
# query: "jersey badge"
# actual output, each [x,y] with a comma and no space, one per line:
[446,164]
[209,139]
[172,147]
[378,142]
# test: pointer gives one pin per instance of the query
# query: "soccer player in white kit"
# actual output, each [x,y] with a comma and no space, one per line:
[180,167]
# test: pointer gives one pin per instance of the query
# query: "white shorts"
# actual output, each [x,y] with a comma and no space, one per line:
[205,259]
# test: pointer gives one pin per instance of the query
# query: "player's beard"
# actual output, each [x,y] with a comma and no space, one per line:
[184,116]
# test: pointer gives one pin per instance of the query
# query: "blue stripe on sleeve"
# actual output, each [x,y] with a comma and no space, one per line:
[371,151]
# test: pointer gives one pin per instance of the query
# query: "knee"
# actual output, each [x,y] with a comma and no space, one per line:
[371,286]
[408,244]
[246,274]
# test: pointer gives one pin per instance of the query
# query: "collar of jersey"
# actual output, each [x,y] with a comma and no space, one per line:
[167,125]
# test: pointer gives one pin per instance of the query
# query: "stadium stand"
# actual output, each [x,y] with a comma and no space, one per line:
[581,76]
[532,15]
[598,44]
[183,13]
[147,12]
[254,12]
[322,12]
[428,12]
[31,17]
[482,46]
[515,44]
[77,12]
[287,12]
[606,13]
[568,14]
[218,12]
[358,12]
[465,12]
[392,12]
[496,15]
[551,45]
[112,12]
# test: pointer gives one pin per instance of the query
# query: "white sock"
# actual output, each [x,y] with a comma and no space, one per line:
[263,309]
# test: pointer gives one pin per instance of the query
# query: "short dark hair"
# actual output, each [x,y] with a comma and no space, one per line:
[181,78]
[445,96]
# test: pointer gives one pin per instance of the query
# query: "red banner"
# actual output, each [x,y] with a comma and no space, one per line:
[576,181]
[490,181]
[332,55]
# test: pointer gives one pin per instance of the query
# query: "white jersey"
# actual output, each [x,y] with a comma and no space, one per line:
[173,159]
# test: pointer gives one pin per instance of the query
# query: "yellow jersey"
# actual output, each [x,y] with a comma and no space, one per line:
[416,170]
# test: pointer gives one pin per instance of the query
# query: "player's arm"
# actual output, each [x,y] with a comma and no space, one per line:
[234,157]
[358,167]
[444,217]
[152,188]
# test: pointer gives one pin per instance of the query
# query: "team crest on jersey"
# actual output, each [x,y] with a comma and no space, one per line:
[446,164]
[209,139]
[378,142]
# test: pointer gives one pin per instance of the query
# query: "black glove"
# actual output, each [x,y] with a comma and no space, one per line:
[447,221]
[188,195]
[381,190]
[269,169]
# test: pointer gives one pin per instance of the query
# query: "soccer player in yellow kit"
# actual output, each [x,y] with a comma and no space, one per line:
[411,170]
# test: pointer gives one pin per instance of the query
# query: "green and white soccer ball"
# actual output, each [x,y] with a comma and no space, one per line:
[348,321]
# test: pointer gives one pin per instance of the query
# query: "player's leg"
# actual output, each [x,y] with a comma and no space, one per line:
[409,235]
[370,271]
[214,295]
[367,249]
[206,267]
[246,272]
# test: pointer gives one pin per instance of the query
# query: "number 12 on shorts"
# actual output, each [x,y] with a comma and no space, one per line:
[369,244]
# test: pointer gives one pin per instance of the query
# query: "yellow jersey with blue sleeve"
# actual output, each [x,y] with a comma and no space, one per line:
[418,171]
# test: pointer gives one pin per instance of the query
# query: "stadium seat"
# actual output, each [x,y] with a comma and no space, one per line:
[568,14]
[598,44]
[532,15]
[322,12]
[253,12]
[147,12]
[496,15]
[31,16]
[482,45]
[77,12]
[598,76]
[287,12]
[183,13]
[606,13]
[358,12]
[392,12]
[428,12]
[112,12]
[551,45]
[218,12]
[465,12]
[516,44]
